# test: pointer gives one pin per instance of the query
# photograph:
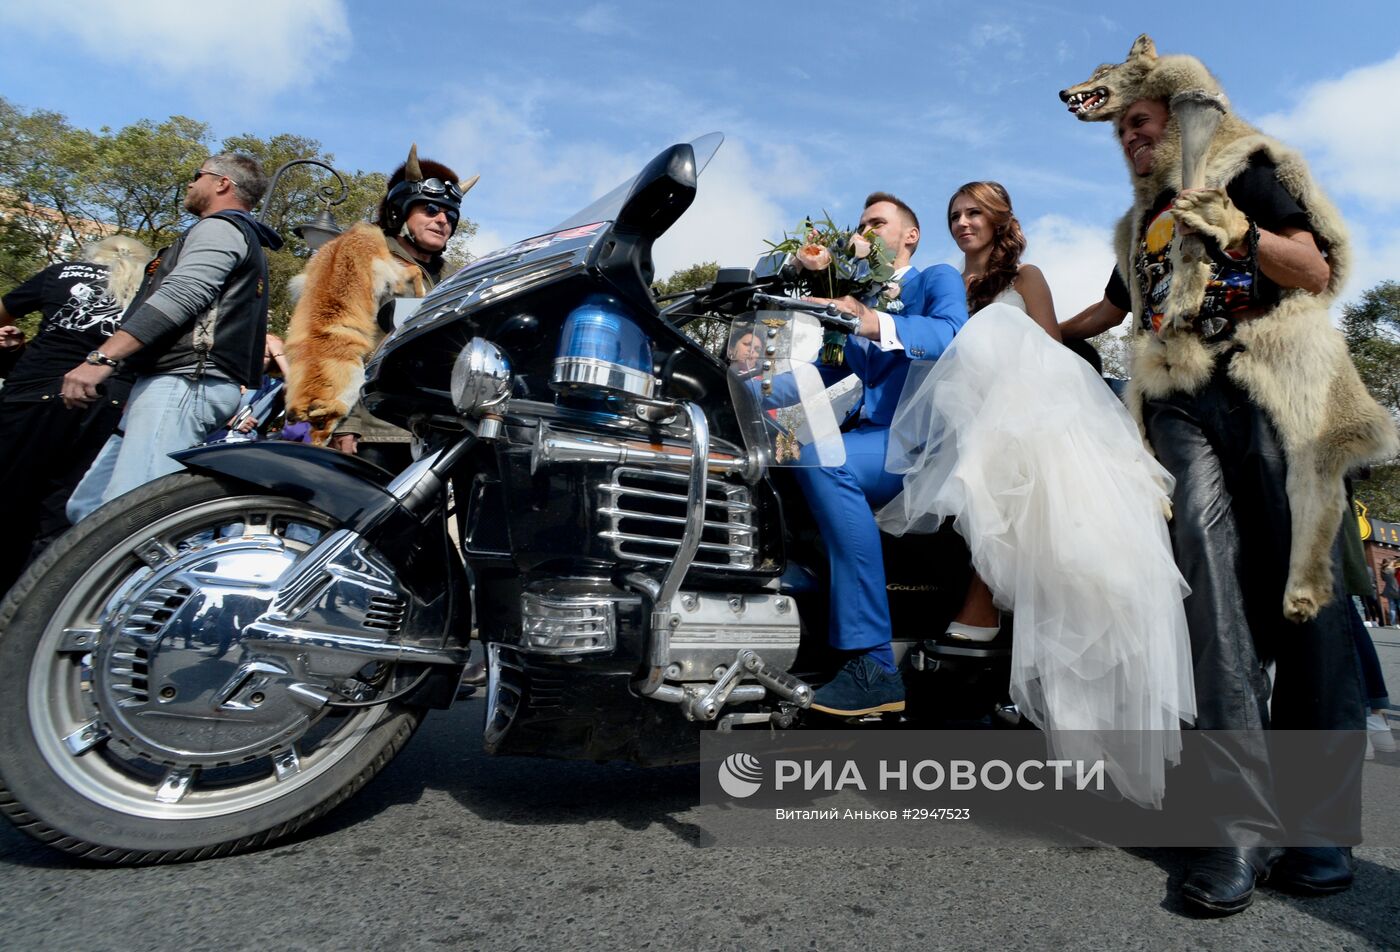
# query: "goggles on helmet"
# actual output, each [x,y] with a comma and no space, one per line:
[437,188]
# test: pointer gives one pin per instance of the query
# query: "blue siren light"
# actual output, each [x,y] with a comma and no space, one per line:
[602,349]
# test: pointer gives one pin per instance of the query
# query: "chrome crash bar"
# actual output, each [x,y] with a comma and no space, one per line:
[664,618]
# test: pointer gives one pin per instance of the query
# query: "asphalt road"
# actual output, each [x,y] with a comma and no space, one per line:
[451,849]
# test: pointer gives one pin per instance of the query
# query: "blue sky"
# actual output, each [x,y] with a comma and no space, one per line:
[554,103]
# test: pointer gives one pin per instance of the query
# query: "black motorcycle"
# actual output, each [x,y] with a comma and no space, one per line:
[211,661]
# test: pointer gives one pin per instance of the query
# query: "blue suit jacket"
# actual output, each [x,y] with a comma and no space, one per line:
[935,308]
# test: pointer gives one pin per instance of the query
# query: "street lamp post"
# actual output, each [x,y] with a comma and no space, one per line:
[323,227]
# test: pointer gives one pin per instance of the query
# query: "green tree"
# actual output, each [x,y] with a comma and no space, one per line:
[1114,350]
[710,333]
[46,171]
[687,279]
[139,176]
[61,187]
[1371,326]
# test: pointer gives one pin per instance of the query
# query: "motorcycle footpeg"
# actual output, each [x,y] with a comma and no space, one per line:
[781,683]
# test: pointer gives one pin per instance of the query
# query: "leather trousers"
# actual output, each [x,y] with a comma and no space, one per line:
[1230,531]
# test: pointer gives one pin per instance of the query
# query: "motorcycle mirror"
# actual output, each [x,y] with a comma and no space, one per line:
[661,193]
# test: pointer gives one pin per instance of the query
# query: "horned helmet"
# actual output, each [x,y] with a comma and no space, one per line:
[418,181]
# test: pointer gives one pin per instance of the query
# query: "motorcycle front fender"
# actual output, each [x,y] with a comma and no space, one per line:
[338,484]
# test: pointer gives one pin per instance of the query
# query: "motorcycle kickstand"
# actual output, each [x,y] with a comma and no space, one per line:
[784,717]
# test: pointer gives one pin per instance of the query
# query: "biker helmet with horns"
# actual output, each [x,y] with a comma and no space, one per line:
[418,181]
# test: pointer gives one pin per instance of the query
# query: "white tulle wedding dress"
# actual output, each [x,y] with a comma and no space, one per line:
[1020,442]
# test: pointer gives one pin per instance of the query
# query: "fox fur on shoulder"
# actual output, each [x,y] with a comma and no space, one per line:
[333,328]
[1291,361]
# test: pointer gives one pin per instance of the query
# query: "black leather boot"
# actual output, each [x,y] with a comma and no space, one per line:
[1313,870]
[475,674]
[1220,882]
[473,677]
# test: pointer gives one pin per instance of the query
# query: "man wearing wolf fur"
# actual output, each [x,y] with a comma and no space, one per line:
[1246,394]
[342,313]
[194,335]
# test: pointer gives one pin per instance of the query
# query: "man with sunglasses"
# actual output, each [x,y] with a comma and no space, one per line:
[194,335]
[418,215]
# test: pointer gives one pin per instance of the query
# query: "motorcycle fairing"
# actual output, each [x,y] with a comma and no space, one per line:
[784,407]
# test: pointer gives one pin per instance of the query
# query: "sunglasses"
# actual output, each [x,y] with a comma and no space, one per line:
[199,172]
[433,210]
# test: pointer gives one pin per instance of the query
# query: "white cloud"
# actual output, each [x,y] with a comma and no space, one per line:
[1351,128]
[602,19]
[1375,258]
[529,179]
[487,240]
[1001,34]
[950,123]
[1077,259]
[251,48]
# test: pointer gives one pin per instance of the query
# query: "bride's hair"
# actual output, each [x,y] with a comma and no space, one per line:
[1008,241]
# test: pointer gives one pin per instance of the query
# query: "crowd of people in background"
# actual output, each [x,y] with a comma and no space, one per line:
[140,354]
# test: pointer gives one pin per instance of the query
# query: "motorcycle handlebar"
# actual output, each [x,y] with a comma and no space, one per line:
[828,314]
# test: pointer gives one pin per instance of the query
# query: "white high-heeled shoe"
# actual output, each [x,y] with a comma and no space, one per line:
[975,633]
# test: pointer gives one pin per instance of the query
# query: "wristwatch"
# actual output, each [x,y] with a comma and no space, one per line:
[99,359]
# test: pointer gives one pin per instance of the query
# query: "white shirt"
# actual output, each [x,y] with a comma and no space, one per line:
[889,338]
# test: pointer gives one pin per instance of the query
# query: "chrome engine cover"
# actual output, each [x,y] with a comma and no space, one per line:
[714,628]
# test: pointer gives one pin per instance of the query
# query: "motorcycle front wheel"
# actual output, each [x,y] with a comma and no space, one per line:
[102,757]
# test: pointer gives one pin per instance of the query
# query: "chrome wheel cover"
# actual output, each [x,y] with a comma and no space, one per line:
[140,698]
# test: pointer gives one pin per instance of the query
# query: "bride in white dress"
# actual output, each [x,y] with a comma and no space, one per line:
[1045,475]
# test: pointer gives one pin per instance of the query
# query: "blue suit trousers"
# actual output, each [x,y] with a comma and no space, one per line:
[841,498]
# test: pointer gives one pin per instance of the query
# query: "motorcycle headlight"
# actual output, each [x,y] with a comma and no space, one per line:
[480,377]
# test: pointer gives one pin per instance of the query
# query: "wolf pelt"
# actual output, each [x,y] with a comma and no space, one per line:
[333,328]
[1291,361]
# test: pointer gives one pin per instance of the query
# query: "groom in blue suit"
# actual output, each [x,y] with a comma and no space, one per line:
[934,308]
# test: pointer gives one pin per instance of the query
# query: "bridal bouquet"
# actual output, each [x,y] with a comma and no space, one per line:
[826,261]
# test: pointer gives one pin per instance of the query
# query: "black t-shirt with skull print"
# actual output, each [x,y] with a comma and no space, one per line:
[79,314]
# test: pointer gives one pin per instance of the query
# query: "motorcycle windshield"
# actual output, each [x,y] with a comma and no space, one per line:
[788,414]
[607,207]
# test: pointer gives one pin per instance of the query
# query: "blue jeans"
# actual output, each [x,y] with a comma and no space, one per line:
[166,413]
[840,498]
